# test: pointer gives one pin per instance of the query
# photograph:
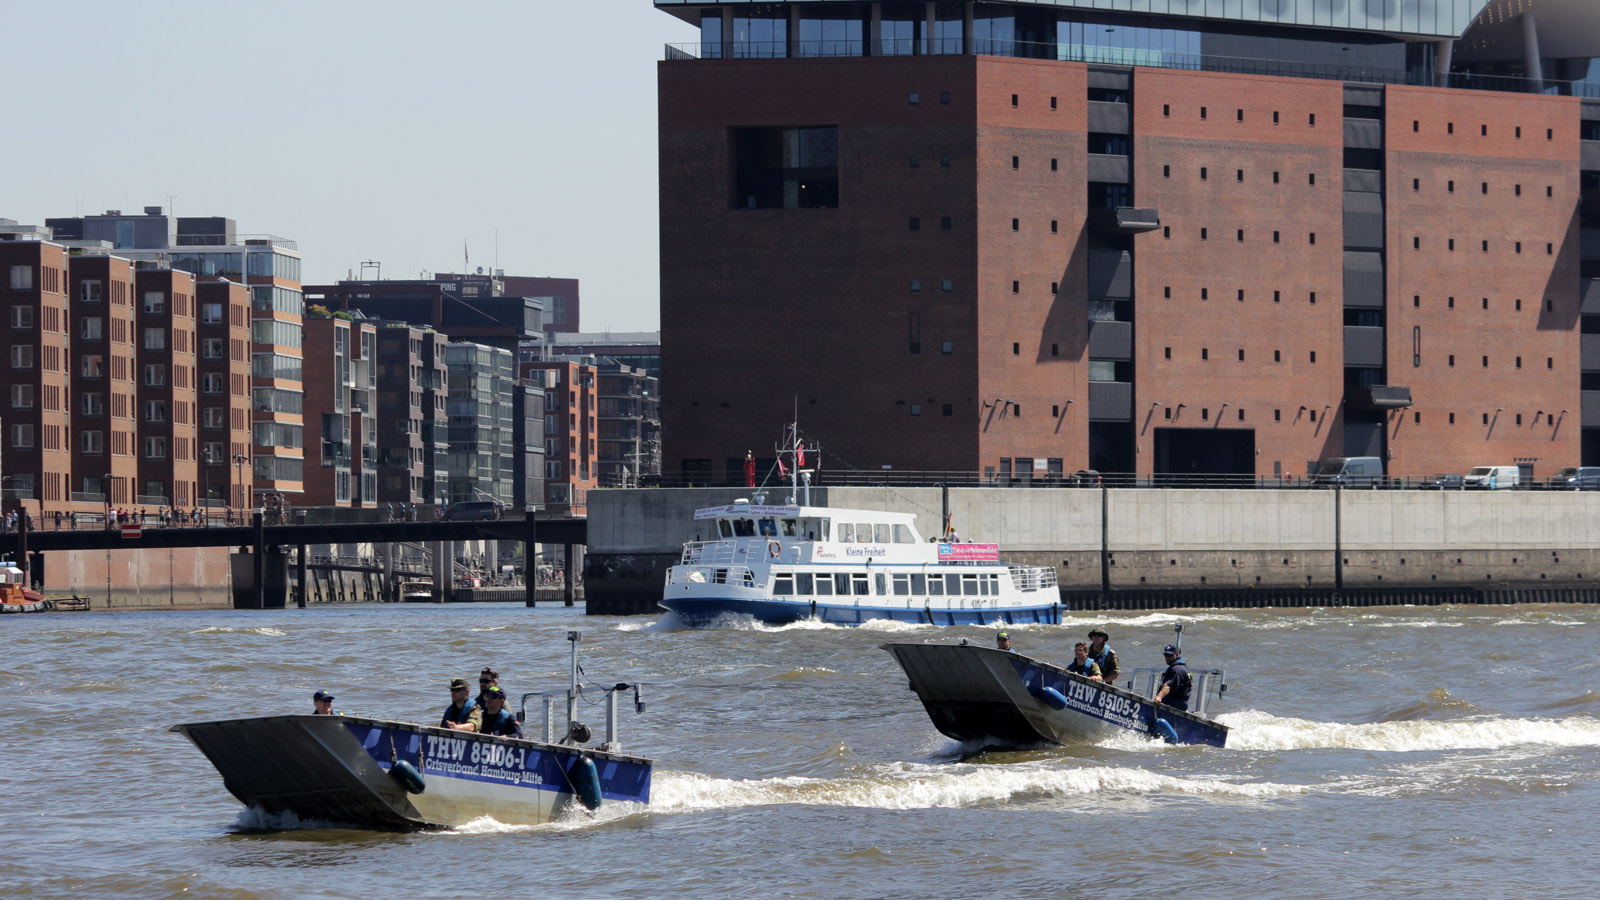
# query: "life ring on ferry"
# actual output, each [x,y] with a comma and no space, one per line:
[774,549]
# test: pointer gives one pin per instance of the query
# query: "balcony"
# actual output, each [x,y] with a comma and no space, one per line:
[1110,275]
[1589,155]
[1108,167]
[1590,405]
[1111,340]
[1363,346]
[1124,220]
[1110,401]
[1589,353]
[1589,291]
[1109,118]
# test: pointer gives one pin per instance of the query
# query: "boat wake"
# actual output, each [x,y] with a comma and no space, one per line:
[1255,730]
[921,786]
[264,630]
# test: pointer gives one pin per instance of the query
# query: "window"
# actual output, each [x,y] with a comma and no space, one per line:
[155,375]
[1449,128]
[1238,175]
[155,410]
[1202,173]
[1052,103]
[1312,120]
[93,366]
[1013,101]
[93,441]
[916,409]
[944,98]
[786,168]
[1166,110]
[94,404]
[90,290]
[1167,352]
[22,317]
[1053,164]
[1202,112]
[944,160]
[1016,162]
[213,348]
[914,98]
[916,223]
[1016,225]
[22,435]
[155,339]
[1451,361]
[1205,353]
[947,410]
[916,285]
[1274,177]
[155,448]
[1241,354]
[22,280]
[915,161]
[1241,234]
[1311,178]
[22,396]
[214,417]
[1202,234]
[211,313]
[1205,293]
[1277,356]
[1313,356]
[1053,226]
[1416,184]
[1166,171]
[155,301]
[90,328]
[1016,349]
[1016,287]
[947,347]
[947,285]
[21,356]
[1239,116]
[945,223]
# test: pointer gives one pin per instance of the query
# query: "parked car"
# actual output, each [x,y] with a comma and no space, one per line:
[1576,478]
[1350,471]
[472,511]
[1492,478]
[1444,481]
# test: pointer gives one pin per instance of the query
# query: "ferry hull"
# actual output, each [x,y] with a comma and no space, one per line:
[980,694]
[337,769]
[701,610]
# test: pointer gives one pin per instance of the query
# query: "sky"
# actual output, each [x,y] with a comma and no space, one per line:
[522,134]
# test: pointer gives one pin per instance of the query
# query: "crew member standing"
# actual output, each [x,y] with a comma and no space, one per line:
[1103,656]
[1175,681]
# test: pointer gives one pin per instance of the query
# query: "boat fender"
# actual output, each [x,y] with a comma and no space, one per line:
[408,777]
[1164,730]
[1053,698]
[585,781]
[774,549]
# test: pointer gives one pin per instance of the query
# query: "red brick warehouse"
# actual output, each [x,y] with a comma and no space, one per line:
[1022,239]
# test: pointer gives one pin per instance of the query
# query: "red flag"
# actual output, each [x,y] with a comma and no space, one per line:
[801,458]
[749,471]
[781,470]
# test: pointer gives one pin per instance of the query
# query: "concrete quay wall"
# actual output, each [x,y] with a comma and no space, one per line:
[1190,544]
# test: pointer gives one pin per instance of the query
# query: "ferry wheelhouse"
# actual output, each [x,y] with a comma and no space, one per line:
[788,563]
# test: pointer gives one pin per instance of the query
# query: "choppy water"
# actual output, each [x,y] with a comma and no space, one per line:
[1373,752]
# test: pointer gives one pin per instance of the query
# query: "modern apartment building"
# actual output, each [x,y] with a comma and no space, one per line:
[628,424]
[413,436]
[37,422]
[1026,238]
[481,406]
[571,459]
[167,362]
[105,380]
[211,249]
[341,411]
[225,442]
[473,308]
[558,297]
[640,350]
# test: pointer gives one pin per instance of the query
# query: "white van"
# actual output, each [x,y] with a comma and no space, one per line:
[1492,478]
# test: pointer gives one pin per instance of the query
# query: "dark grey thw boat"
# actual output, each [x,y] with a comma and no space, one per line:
[1000,698]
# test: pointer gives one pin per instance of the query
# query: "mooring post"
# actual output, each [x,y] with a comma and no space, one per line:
[1338,547]
[22,544]
[300,575]
[569,591]
[258,561]
[530,570]
[1105,544]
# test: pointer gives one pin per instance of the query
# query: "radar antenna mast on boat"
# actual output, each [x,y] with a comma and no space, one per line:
[793,446]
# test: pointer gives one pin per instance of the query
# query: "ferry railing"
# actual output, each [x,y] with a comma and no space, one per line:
[1032,578]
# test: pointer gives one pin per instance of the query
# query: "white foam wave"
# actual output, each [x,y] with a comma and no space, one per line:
[915,786]
[223,629]
[1255,730]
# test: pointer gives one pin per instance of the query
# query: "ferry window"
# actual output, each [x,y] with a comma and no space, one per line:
[919,584]
[769,528]
[744,528]
[902,535]
[983,585]
[902,585]
[803,583]
[791,528]
[841,584]
[880,584]
[935,586]
[863,533]
[783,585]
[824,585]
[725,527]
[994,585]
[969,585]
[860,585]
[880,533]
[952,585]
[720,577]
[825,524]
[847,533]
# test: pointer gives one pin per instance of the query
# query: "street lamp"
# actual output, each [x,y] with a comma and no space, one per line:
[238,476]
[107,488]
[205,452]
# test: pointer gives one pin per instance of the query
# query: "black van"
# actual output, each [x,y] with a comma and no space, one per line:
[1576,478]
[472,511]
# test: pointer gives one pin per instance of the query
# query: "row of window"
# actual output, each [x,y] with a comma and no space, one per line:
[22,279]
[1450,246]
[1205,235]
[882,584]
[1238,115]
[1483,187]
[1483,130]
[1205,354]
[1238,175]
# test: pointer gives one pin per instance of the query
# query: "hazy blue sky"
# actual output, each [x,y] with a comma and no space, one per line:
[392,131]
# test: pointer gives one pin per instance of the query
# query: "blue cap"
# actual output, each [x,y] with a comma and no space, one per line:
[1170,649]
[319,696]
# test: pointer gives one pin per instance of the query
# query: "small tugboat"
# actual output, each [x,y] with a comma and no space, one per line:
[15,596]
[1004,699]
[791,562]
[398,776]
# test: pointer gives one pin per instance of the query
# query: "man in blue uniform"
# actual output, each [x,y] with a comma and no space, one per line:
[461,714]
[496,719]
[1175,681]
[322,704]
[1081,663]
[1002,641]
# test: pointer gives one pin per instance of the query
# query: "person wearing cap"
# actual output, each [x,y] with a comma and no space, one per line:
[497,720]
[1103,656]
[1175,681]
[1002,641]
[322,704]
[1081,663]
[461,714]
[486,679]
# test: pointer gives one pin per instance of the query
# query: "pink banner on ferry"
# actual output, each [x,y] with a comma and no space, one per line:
[969,552]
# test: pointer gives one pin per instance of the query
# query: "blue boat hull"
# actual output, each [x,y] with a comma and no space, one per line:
[699,611]
[997,698]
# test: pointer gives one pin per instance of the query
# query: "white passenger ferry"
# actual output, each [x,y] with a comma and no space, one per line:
[792,562]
